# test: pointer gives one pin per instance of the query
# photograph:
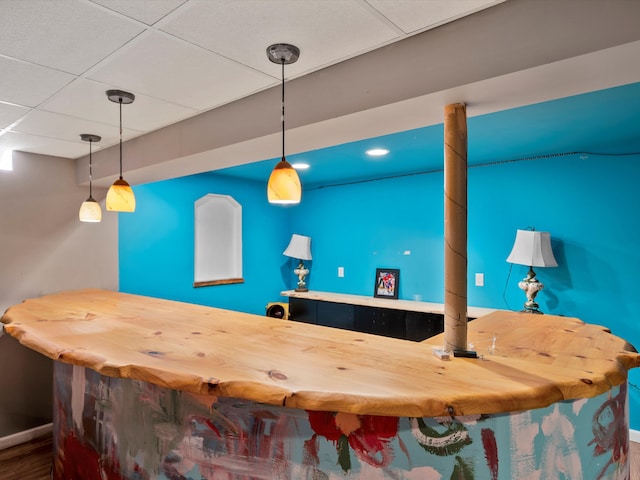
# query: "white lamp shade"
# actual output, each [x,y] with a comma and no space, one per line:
[532,249]
[120,197]
[90,211]
[299,247]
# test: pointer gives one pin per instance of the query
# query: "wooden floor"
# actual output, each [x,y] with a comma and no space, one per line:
[32,460]
[28,461]
[634,453]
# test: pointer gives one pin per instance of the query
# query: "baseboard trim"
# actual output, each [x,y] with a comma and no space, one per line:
[634,435]
[28,435]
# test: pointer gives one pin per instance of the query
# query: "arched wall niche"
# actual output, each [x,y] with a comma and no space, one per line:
[218,241]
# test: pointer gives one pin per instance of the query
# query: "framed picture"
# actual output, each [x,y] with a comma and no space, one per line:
[387,281]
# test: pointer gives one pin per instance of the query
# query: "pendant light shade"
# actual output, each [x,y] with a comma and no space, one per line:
[120,197]
[90,210]
[284,186]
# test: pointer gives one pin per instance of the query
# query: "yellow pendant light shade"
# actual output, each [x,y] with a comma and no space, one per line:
[120,197]
[284,185]
[90,210]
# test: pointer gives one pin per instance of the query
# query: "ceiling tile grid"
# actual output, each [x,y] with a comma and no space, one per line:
[179,57]
[145,11]
[62,127]
[405,15]
[39,144]
[87,99]
[11,113]
[326,31]
[27,84]
[68,35]
[167,68]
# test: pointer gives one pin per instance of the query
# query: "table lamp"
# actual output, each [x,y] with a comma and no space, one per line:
[300,248]
[532,249]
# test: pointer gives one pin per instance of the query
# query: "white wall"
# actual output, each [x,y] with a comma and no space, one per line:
[44,248]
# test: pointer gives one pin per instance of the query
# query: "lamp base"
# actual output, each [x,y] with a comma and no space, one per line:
[531,286]
[301,272]
[531,310]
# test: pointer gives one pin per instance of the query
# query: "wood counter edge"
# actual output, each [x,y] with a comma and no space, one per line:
[313,400]
[526,398]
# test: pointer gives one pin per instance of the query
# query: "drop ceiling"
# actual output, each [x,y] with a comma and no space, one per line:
[203,83]
[179,57]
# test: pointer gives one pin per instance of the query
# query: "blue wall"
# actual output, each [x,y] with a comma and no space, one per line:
[587,204]
[156,244]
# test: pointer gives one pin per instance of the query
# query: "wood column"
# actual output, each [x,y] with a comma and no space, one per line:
[455,227]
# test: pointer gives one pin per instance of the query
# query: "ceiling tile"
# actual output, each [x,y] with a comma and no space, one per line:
[324,30]
[54,125]
[27,84]
[87,99]
[42,145]
[10,113]
[67,35]
[146,11]
[413,16]
[165,67]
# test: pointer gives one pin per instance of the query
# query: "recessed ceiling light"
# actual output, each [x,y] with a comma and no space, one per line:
[300,166]
[377,152]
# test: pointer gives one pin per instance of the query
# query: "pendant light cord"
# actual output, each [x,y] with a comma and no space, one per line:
[90,171]
[120,102]
[283,157]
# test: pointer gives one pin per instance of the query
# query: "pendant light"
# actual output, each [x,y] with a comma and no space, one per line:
[120,197]
[90,210]
[284,184]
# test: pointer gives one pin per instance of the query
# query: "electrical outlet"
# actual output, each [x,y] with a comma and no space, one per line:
[340,272]
[479,279]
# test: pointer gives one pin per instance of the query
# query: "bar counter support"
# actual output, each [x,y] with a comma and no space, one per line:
[121,429]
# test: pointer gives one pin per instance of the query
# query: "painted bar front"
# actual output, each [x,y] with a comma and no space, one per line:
[115,428]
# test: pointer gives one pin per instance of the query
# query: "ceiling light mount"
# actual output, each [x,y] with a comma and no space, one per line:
[120,96]
[283,53]
[88,137]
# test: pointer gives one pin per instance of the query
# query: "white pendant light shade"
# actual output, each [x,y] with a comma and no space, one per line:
[284,185]
[90,211]
[120,197]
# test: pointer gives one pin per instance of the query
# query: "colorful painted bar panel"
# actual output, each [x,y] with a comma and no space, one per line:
[115,429]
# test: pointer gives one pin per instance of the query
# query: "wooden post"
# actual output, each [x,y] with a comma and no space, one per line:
[455,227]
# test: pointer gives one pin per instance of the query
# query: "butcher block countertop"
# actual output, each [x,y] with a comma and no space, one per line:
[537,360]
